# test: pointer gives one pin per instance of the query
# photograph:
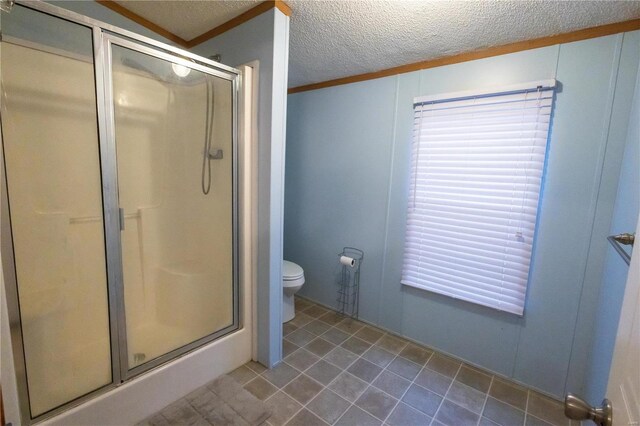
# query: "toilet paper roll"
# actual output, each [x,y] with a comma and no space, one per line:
[348,261]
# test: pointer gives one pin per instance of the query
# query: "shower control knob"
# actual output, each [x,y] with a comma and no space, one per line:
[216,155]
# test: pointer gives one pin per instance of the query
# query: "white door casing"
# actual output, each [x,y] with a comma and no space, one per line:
[624,379]
[248,133]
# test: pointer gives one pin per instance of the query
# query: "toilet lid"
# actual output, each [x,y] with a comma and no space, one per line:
[291,271]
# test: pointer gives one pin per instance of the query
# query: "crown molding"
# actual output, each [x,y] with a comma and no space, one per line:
[116,7]
[519,46]
[240,19]
[187,44]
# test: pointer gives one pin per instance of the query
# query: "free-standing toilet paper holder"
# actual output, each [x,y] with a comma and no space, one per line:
[350,260]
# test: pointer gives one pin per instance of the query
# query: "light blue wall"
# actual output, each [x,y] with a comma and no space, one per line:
[347,183]
[625,216]
[36,27]
[96,11]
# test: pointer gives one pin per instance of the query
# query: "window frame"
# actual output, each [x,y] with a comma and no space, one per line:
[496,300]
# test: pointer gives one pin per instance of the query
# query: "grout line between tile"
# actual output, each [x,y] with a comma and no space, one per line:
[385,333]
[486,398]
[322,358]
[409,387]
[292,397]
[445,394]
[411,382]
[329,384]
[365,389]
[395,334]
[304,406]
[373,380]
[351,404]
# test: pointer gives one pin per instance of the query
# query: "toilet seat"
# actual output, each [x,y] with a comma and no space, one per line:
[292,281]
[291,271]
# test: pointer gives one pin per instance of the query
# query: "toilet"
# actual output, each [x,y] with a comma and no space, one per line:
[292,280]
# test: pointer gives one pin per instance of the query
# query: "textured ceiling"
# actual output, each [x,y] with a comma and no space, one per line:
[340,38]
[188,18]
[331,39]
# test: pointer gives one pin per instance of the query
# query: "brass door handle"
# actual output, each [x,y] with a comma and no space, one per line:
[617,241]
[626,238]
[577,409]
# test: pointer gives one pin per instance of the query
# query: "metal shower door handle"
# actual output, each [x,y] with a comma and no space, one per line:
[121,216]
[577,408]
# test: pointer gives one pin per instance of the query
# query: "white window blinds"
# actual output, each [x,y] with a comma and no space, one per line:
[477,166]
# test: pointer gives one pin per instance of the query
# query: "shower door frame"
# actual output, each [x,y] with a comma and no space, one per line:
[111,203]
[104,35]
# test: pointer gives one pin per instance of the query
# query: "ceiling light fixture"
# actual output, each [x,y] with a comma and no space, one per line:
[180,70]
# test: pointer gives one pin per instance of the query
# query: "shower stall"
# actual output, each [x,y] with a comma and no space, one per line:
[119,220]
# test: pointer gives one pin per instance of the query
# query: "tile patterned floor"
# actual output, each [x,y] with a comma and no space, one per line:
[220,402]
[344,372]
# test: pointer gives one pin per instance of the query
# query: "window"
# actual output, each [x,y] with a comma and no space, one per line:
[476,172]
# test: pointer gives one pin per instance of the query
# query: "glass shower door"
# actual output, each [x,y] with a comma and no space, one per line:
[57,239]
[174,141]
[118,204]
